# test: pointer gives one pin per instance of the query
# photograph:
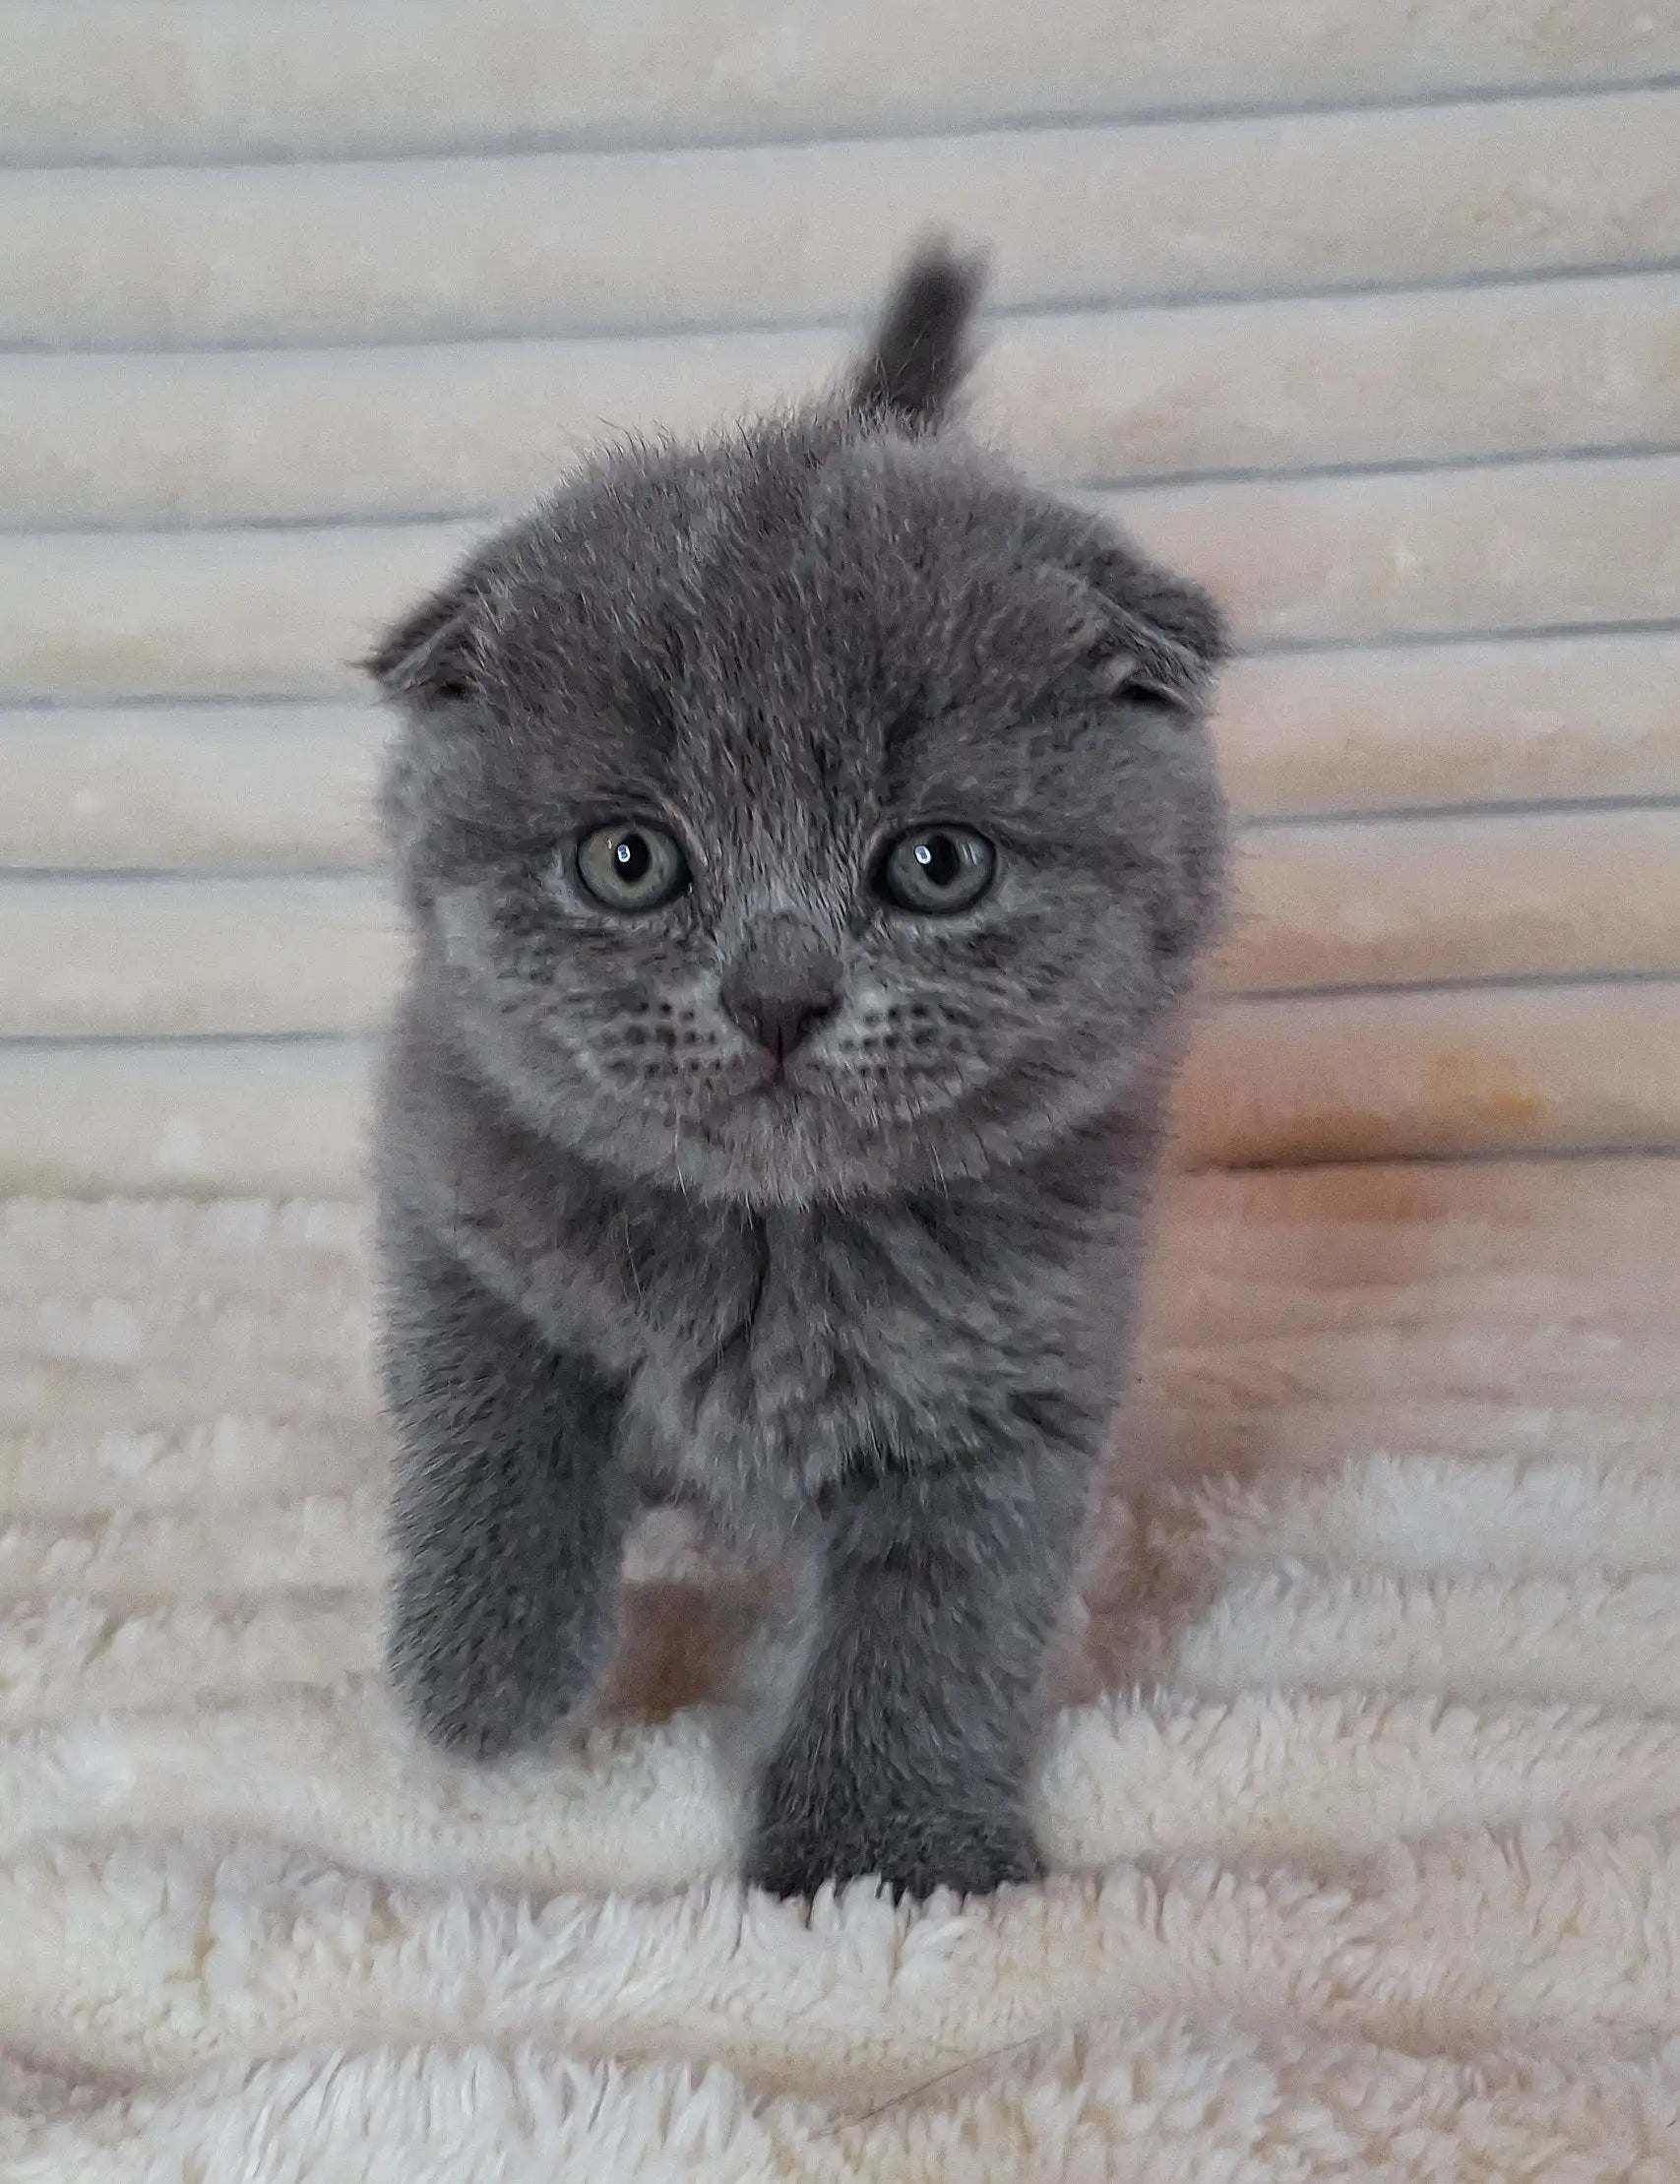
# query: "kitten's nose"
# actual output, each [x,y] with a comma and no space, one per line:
[782,985]
[779,1025]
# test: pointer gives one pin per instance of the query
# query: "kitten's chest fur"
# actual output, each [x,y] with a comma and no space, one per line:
[765,1354]
[755,1338]
[762,1353]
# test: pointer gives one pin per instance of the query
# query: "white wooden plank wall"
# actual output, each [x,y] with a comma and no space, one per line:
[1369,316]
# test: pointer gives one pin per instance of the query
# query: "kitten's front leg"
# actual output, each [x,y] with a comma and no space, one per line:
[508,1517]
[907,1751]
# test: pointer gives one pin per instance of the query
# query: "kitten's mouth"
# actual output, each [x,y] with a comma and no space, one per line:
[778,1085]
[772,1082]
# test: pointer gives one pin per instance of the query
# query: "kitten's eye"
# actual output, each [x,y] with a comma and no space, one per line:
[937,871]
[632,866]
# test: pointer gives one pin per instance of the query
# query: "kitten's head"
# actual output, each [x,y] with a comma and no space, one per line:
[818,810]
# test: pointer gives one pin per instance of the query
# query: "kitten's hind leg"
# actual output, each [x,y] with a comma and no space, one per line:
[508,1517]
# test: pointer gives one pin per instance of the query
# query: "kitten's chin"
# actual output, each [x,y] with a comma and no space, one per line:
[775,1109]
[780,1143]
[789,1143]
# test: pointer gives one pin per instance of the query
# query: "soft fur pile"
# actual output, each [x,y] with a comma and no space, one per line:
[1376,1875]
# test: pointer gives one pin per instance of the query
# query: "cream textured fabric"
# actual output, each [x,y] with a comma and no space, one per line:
[1368,1861]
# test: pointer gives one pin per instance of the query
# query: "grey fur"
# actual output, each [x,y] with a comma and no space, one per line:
[867,1302]
[910,373]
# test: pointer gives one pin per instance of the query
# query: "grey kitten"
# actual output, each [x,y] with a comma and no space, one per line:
[807,836]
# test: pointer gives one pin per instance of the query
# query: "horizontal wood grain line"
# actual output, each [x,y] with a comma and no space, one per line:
[601,242]
[1502,547]
[1283,1083]
[280,785]
[1441,900]
[1436,901]
[1476,1071]
[380,432]
[88,619]
[194,956]
[179,786]
[146,80]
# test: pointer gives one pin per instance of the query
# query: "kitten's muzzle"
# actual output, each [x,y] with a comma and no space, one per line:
[782,985]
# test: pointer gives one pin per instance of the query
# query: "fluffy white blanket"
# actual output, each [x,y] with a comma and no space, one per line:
[1364,1808]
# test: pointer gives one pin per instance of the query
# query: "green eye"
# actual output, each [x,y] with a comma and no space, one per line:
[937,871]
[632,866]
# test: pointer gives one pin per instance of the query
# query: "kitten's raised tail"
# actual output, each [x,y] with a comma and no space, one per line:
[920,350]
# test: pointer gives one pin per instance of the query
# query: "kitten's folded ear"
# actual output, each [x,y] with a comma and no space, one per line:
[919,353]
[428,658]
[1151,632]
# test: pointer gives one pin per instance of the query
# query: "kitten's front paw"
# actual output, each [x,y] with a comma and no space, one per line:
[472,1695]
[912,1855]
